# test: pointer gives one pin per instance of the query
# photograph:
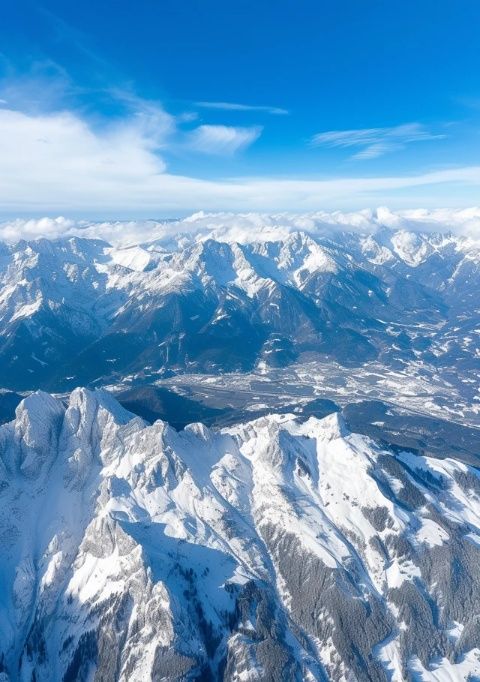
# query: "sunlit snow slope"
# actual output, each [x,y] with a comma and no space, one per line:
[272,550]
[79,311]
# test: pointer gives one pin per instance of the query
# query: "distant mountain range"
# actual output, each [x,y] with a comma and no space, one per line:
[77,311]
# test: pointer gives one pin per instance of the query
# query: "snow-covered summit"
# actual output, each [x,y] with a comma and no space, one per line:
[78,310]
[275,549]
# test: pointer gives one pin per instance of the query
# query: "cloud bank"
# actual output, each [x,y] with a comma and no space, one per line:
[245,227]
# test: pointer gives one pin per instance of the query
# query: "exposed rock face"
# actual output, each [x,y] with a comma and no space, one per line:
[274,550]
[75,311]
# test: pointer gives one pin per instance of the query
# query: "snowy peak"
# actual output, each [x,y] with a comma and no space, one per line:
[37,422]
[89,404]
[202,550]
[329,428]
[94,313]
[293,260]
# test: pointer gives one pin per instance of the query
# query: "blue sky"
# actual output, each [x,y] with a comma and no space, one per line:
[163,107]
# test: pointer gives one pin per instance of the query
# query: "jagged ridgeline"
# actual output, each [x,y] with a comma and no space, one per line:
[271,550]
[78,311]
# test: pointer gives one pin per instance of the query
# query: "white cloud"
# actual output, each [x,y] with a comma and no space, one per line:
[222,140]
[59,158]
[149,120]
[375,142]
[58,163]
[245,227]
[232,106]
[13,230]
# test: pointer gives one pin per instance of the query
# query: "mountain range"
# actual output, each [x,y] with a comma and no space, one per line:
[270,469]
[77,311]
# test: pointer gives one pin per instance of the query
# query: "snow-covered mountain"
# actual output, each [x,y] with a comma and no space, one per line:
[80,311]
[271,550]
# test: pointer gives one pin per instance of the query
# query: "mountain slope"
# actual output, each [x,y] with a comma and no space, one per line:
[95,314]
[271,550]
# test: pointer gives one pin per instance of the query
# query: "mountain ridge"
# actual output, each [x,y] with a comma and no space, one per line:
[97,314]
[133,550]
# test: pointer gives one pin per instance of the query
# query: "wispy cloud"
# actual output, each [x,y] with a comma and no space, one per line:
[147,118]
[62,161]
[222,140]
[375,142]
[233,106]
[45,86]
